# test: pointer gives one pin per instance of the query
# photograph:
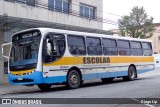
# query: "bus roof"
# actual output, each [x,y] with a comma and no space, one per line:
[84,34]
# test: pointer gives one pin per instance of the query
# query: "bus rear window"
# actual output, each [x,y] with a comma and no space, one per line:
[147,48]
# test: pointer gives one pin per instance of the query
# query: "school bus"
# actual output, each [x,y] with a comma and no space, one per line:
[45,56]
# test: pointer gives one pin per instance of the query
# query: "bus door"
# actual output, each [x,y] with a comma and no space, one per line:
[53,50]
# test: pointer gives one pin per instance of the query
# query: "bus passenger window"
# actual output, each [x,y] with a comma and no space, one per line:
[76,45]
[94,46]
[124,47]
[109,46]
[136,48]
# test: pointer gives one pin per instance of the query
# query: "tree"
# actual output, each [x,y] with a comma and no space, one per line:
[137,24]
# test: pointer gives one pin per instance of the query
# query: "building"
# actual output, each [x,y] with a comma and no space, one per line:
[156,38]
[78,15]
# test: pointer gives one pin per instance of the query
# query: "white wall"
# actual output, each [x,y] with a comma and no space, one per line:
[37,13]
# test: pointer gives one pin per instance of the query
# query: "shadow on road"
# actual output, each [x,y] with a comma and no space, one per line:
[56,88]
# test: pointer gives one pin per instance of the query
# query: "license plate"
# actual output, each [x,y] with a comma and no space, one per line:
[20,78]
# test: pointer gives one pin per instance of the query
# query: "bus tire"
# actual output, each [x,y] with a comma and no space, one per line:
[131,74]
[107,80]
[44,87]
[73,79]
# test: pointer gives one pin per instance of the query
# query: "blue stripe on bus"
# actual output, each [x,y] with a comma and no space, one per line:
[110,74]
[55,79]
[38,78]
[144,70]
[104,75]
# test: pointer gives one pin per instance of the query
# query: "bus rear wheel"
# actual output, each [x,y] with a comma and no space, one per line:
[73,79]
[131,74]
[44,87]
[107,80]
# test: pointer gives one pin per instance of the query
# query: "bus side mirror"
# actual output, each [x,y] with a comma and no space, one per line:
[5,49]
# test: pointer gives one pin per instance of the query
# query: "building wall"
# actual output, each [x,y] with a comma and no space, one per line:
[42,14]
[156,39]
[1,58]
[95,3]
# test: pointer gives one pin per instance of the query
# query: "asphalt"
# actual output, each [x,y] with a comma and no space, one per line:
[146,86]
[6,88]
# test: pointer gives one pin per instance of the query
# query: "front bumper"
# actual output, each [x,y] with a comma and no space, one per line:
[34,78]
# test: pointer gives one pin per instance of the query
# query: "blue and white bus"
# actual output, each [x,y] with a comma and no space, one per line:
[45,56]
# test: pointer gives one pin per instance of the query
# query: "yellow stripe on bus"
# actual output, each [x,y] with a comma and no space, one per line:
[22,72]
[80,60]
[131,59]
[66,61]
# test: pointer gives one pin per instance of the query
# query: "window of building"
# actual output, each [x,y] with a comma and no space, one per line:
[124,47]
[136,48]
[94,46]
[21,1]
[147,48]
[109,47]
[31,2]
[28,2]
[87,11]
[11,0]
[59,5]
[76,45]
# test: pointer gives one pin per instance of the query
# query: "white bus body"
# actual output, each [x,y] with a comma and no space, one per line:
[44,56]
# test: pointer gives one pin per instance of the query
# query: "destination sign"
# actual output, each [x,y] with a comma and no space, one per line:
[29,35]
[25,35]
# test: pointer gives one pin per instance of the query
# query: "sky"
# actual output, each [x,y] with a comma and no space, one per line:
[119,8]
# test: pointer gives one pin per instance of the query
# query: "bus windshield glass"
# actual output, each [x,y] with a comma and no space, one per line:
[24,50]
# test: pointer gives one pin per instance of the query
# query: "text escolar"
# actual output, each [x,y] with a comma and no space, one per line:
[95,60]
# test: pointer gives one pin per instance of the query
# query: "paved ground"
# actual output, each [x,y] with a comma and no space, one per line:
[146,86]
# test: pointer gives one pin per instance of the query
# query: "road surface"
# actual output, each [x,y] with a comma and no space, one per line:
[145,86]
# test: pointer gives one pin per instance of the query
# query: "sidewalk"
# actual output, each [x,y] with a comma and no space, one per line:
[7,88]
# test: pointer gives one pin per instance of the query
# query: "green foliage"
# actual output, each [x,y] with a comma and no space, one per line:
[137,24]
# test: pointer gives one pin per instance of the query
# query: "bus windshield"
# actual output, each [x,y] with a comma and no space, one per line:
[24,50]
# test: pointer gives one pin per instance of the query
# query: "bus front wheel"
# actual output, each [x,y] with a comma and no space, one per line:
[131,74]
[73,79]
[44,86]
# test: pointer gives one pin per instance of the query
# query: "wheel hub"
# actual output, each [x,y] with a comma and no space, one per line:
[74,79]
[132,73]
